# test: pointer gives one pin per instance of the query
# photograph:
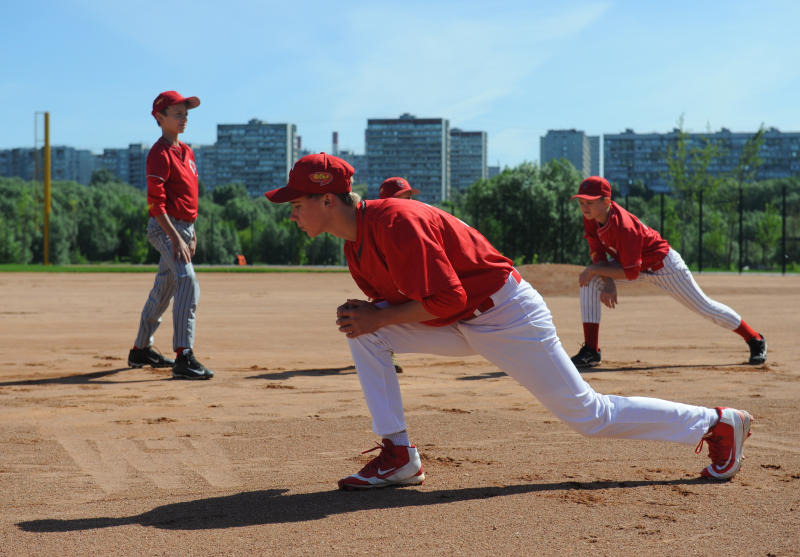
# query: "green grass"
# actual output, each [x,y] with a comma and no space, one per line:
[128,268]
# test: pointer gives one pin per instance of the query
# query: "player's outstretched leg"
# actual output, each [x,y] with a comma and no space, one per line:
[396,465]
[725,441]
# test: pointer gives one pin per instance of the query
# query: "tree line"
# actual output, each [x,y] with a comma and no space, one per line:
[524,211]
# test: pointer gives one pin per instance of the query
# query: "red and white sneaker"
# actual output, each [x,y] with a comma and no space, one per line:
[395,465]
[725,441]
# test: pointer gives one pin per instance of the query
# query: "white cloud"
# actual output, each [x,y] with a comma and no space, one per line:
[456,67]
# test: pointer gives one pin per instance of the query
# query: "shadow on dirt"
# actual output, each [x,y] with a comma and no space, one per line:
[319,372]
[275,506]
[79,379]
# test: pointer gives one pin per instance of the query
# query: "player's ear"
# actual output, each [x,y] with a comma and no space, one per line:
[327,200]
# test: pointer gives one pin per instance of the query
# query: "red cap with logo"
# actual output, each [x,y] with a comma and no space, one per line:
[593,187]
[168,98]
[391,187]
[321,173]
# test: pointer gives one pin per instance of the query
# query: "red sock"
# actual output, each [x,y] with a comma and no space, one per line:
[179,351]
[135,347]
[591,333]
[747,333]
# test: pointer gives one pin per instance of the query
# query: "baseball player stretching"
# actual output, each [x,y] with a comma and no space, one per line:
[172,198]
[397,188]
[441,288]
[623,248]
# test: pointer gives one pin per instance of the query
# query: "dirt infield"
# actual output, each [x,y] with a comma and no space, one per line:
[99,459]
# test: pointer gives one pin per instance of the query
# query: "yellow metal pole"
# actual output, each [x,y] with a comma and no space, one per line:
[46,188]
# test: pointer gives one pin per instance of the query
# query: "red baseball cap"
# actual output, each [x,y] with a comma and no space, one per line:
[392,186]
[321,173]
[593,187]
[168,98]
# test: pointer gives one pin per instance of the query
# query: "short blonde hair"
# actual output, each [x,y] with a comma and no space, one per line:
[351,198]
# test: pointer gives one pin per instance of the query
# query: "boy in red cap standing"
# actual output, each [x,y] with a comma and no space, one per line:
[172,200]
[622,248]
[396,187]
[439,287]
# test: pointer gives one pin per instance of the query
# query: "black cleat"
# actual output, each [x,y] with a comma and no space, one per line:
[187,367]
[586,357]
[758,350]
[397,367]
[149,356]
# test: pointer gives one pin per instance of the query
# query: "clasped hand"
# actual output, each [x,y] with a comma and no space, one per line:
[357,317]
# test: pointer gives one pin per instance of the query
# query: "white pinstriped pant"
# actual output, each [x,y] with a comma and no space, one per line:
[173,279]
[518,336]
[675,279]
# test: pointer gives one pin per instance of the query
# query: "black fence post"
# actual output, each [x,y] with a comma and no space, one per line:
[661,230]
[700,234]
[561,231]
[741,229]
[784,255]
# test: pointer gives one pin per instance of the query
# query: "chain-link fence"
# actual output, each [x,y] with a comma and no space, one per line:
[745,228]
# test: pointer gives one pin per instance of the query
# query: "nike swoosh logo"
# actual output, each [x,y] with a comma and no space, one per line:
[384,472]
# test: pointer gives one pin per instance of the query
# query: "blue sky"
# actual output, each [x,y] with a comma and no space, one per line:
[513,69]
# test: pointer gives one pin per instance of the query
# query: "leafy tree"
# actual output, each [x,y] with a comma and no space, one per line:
[524,212]
[217,241]
[768,231]
[689,176]
[221,195]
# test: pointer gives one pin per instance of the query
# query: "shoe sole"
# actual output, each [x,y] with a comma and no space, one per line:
[583,366]
[192,378]
[413,480]
[135,365]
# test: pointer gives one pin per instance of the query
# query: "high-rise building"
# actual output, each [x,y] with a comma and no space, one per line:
[359,164]
[256,154]
[594,153]
[578,148]
[128,164]
[631,158]
[467,159]
[20,162]
[66,163]
[205,159]
[416,149]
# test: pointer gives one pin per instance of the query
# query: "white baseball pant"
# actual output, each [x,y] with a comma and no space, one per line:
[518,336]
[173,279]
[675,279]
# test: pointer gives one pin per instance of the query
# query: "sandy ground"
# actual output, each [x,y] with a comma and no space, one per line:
[98,459]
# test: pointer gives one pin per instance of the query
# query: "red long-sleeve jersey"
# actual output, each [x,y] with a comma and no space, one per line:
[407,250]
[631,243]
[172,186]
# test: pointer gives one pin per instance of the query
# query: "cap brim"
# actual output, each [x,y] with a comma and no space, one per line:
[193,102]
[284,194]
[584,196]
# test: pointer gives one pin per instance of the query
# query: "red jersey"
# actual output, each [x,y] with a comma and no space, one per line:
[172,181]
[632,244]
[407,250]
